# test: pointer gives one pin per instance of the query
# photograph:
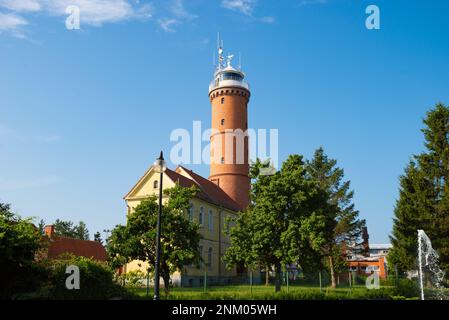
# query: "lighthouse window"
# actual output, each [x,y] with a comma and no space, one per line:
[222,100]
[231,76]
[222,122]
[222,160]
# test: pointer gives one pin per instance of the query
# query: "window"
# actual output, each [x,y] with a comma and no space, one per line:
[201,216]
[191,212]
[155,184]
[222,160]
[222,122]
[209,257]
[210,221]
[222,100]
[231,76]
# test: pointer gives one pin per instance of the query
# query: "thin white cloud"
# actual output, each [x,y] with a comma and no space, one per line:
[244,6]
[20,184]
[167,24]
[178,9]
[12,24]
[21,5]
[92,12]
[268,20]
[98,12]
[9,135]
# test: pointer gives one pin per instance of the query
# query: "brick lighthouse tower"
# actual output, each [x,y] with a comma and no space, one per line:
[229,95]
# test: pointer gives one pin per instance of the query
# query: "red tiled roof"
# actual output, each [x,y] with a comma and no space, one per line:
[213,193]
[85,248]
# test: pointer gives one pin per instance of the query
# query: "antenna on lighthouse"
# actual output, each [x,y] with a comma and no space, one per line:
[220,52]
[240,61]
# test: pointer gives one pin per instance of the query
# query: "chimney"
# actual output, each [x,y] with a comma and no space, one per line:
[49,230]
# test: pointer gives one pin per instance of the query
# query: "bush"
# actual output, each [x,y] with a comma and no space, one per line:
[407,288]
[96,281]
[133,279]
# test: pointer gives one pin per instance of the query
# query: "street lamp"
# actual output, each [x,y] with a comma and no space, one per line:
[159,166]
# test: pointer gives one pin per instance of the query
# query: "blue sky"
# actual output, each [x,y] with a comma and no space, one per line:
[83,113]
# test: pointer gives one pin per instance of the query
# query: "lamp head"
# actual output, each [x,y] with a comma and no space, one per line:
[160,165]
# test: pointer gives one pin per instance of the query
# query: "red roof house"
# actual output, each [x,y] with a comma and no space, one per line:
[59,245]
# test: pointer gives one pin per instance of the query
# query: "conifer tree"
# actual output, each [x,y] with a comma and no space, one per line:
[346,227]
[424,196]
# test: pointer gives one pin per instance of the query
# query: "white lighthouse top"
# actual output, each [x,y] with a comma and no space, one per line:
[226,75]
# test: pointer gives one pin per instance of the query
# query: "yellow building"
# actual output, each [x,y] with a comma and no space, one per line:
[210,209]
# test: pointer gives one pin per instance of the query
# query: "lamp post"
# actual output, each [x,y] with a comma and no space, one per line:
[159,166]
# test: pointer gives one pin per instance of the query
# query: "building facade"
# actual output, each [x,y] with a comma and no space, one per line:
[224,193]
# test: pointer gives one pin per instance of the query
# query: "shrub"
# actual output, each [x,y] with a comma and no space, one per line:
[407,288]
[96,281]
[133,279]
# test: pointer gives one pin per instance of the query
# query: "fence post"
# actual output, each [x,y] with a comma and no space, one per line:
[251,282]
[319,274]
[286,274]
[350,282]
[205,281]
[148,283]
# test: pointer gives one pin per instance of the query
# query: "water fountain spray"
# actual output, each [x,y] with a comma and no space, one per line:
[428,257]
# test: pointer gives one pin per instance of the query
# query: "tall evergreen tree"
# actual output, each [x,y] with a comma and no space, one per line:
[81,231]
[69,230]
[97,237]
[424,196]
[346,227]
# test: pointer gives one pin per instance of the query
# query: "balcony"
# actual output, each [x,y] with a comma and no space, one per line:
[228,83]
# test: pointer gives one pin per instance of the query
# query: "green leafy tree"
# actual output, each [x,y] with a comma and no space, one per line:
[20,241]
[179,237]
[65,229]
[81,231]
[424,196]
[274,231]
[70,230]
[41,226]
[343,224]
[97,237]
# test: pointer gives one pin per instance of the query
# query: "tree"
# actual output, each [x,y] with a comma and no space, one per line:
[64,229]
[81,231]
[69,230]
[97,237]
[20,240]
[179,237]
[274,229]
[424,196]
[344,226]
[41,226]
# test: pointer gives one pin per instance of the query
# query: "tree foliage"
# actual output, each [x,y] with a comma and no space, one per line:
[179,237]
[281,225]
[424,196]
[70,230]
[345,227]
[19,243]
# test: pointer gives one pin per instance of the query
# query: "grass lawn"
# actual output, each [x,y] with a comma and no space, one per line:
[262,292]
